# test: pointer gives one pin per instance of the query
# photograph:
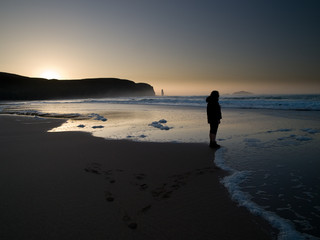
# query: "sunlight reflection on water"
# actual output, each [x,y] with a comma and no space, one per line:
[135,123]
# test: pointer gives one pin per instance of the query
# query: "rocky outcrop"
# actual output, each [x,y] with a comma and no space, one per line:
[242,93]
[16,87]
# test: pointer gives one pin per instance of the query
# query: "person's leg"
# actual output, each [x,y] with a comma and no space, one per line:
[212,137]
[213,134]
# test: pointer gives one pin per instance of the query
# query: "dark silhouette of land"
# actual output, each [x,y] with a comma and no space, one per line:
[16,87]
[242,93]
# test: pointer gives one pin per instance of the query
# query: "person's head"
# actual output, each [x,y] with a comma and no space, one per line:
[214,94]
[214,97]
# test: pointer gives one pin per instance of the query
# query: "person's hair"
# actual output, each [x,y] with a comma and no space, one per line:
[214,94]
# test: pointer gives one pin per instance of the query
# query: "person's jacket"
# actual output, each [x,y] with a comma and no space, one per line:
[213,110]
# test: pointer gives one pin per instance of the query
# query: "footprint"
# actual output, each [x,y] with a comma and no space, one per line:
[108,172]
[175,186]
[156,193]
[133,225]
[140,176]
[145,209]
[159,191]
[167,194]
[93,168]
[127,219]
[109,197]
[177,181]
[143,186]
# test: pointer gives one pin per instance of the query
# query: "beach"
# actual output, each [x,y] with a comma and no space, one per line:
[109,112]
[269,153]
[71,185]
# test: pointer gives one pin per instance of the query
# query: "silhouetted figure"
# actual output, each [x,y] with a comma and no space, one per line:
[162,92]
[214,116]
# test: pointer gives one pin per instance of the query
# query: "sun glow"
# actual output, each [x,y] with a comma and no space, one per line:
[49,74]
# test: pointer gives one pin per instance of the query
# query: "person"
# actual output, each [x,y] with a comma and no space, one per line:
[214,117]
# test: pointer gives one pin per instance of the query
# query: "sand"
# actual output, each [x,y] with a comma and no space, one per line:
[71,185]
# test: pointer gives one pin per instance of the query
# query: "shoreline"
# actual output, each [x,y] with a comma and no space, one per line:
[67,185]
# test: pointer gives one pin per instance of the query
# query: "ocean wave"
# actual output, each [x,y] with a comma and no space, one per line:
[41,114]
[35,113]
[276,102]
[232,183]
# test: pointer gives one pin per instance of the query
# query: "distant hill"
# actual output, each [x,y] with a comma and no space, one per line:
[16,87]
[242,93]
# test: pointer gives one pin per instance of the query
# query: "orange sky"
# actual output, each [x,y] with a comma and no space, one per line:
[183,47]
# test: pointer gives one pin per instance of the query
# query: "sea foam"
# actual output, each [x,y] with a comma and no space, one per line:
[98,117]
[159,124]
[36,113]
[232,183]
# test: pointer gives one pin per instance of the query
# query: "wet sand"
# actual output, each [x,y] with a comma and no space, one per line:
[70,185]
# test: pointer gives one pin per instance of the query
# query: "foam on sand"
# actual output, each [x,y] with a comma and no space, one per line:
[160,124]
[36,113]
[99,126]
[97,117]
[310,130]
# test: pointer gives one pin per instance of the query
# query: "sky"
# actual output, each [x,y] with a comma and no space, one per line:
[186,47]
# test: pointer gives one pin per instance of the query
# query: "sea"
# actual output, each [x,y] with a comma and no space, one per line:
[270,144]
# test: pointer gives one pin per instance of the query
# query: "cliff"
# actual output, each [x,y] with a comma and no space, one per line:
[16,87]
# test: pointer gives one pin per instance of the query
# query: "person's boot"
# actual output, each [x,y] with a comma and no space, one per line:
[213,144]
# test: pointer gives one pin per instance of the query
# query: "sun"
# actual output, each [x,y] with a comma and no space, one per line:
[49,74]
